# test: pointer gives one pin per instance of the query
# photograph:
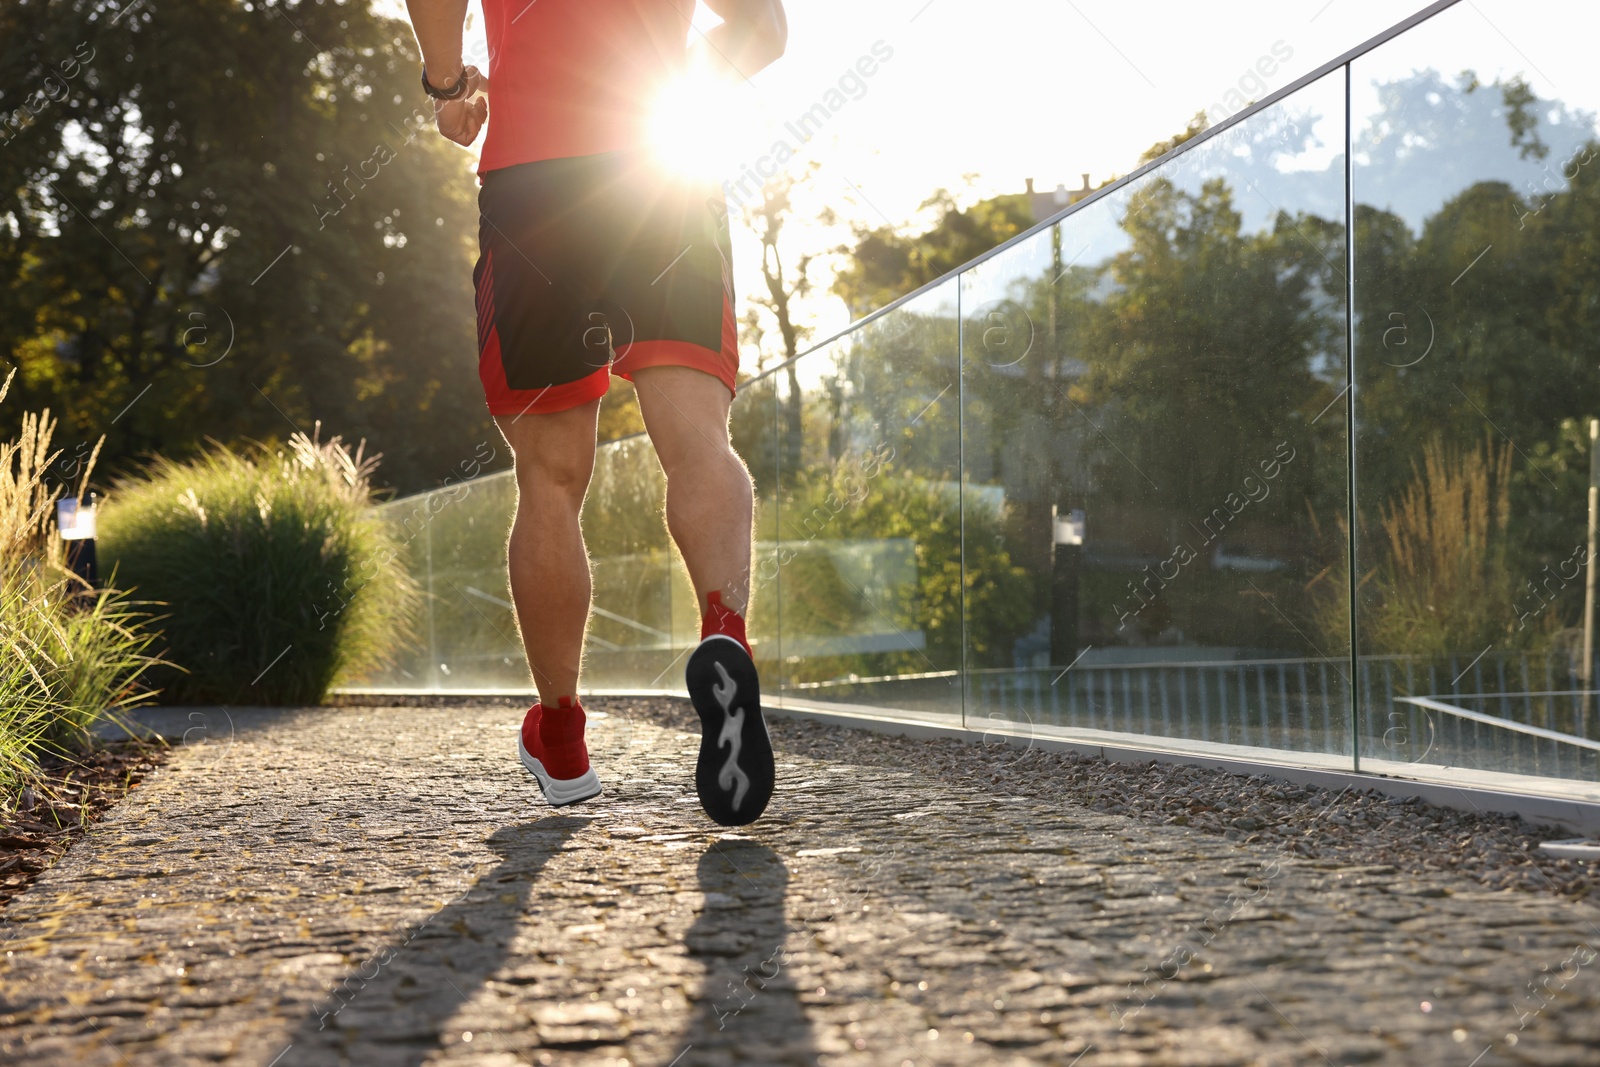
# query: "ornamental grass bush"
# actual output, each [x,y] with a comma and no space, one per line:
[1439,577]
[275,579]
[70,656]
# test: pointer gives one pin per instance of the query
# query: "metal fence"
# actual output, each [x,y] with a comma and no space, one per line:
[1484,714]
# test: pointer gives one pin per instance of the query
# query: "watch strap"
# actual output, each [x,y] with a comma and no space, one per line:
[451,92]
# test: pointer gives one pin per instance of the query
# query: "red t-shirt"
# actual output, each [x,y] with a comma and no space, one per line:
[576,77]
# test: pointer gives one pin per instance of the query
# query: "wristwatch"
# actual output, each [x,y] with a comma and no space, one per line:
[453,92]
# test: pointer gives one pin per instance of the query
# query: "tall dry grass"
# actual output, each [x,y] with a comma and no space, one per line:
[70,656]
[1439,576]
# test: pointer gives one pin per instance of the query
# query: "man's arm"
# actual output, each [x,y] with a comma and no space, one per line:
[438,25]
[753,33]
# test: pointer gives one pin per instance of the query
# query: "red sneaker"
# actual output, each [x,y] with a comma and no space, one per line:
[551,748]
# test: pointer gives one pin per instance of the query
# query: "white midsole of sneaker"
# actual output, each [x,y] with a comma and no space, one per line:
[559,791]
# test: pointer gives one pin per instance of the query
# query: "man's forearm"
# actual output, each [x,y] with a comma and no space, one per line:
[438,25]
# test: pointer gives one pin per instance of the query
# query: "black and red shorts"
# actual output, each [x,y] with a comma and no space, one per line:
[590,265]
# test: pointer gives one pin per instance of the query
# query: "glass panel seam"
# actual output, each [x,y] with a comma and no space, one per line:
[433,642]
[1350,407]
[777,539]
[961,487]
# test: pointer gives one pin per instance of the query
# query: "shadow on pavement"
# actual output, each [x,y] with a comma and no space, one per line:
[389,1011]
[749,1009]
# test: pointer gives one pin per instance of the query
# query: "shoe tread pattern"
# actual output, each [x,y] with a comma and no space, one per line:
[734,774]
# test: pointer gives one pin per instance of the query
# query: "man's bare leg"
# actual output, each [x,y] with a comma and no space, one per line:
[548,562]
[709,502]
[709,494]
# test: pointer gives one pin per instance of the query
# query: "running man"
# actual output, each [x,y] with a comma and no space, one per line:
[593,262]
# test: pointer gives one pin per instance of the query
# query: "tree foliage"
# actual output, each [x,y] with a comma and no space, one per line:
[883,265]
[1165,368]
[230,220]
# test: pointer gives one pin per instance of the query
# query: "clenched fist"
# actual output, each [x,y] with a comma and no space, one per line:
[462,118]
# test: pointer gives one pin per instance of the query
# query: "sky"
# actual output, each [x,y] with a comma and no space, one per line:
[977,96]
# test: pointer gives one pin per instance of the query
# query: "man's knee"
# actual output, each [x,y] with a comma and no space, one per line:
[544,472]
[554,453]
[690,458]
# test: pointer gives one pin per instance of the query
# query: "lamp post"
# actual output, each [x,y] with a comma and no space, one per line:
[76,521]
[1067,552]
[1586,672]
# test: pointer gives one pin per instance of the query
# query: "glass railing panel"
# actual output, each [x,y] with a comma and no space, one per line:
[755,432]
[411,666]
[454,543]
[1477,203]
[868,518]
[474,631]
[642,618]
[1155,451]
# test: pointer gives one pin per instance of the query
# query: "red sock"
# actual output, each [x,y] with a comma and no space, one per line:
[561,724]
[723,620]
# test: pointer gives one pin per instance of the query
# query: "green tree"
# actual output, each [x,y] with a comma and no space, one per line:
[1196,310]
[229,220]
[883,265]
[1197,125]
[888,506]
[784,286]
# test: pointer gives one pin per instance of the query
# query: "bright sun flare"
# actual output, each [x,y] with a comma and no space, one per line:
[695,123]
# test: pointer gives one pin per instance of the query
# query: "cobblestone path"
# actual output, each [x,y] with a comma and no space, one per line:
[384,886]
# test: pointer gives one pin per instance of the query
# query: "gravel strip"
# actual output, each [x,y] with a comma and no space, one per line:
[1369,828]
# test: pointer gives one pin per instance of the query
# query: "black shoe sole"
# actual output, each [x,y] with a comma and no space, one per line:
[734,774]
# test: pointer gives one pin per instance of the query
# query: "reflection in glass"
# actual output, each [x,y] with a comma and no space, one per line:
[755,431]
[454,541]
[868,533]
[1476,209]
[1155,450]
[642,619]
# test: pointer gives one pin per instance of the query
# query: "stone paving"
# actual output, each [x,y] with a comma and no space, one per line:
[384,886]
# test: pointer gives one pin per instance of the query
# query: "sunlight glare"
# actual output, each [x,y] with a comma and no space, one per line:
[695,122]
